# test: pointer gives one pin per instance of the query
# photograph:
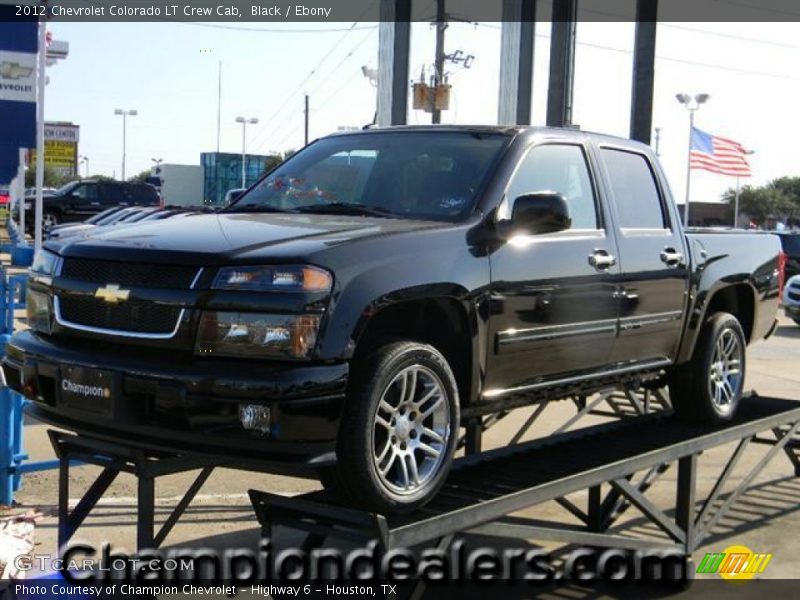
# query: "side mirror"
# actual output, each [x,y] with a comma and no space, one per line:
[539,212]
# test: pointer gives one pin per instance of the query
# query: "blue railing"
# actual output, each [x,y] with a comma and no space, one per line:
[13,459]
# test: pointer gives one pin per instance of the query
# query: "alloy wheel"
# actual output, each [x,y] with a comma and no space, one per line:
[725,374]
[411,430]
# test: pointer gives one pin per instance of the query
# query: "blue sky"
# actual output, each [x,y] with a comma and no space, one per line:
[168,72]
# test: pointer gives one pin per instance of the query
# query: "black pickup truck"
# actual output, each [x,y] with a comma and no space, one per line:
[378,290]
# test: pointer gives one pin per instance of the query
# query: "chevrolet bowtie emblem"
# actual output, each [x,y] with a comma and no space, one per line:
[13,70]
[112,293]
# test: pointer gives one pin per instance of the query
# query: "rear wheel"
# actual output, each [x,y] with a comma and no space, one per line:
[709,387]
[398,430]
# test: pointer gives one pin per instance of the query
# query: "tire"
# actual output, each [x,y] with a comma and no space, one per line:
[385,435]
[50,219]
[797,321]
[708,388]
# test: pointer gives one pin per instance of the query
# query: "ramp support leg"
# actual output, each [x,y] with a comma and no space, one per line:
[685,501]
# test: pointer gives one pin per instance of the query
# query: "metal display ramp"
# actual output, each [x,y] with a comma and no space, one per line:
[616,463]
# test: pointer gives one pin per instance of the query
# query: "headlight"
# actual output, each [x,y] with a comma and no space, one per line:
[45,263]
[287,278]
[256,335]
[39,311]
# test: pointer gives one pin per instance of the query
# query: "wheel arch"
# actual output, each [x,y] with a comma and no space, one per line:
[738,299]
[443,318]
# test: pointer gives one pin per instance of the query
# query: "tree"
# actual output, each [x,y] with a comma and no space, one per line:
[52,178]
[141,177]
[778,200]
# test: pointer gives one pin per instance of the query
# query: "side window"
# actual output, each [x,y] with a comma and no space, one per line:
[635,191]
[86,192]
[558,168]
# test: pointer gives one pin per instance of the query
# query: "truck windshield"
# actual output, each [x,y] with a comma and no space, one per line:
[411,174]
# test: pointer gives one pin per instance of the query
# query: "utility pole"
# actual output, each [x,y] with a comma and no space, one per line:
[305,110]
[438,76]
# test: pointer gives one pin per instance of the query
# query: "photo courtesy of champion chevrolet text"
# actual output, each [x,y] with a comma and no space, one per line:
[404,299]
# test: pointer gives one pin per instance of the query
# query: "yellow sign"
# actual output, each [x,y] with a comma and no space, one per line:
[58,154]
[736,563]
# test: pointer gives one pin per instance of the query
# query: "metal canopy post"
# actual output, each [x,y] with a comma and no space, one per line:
[644,57]
[394,44]
[562,63]
[516,62]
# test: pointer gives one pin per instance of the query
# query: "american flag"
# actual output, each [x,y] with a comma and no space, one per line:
[718,155]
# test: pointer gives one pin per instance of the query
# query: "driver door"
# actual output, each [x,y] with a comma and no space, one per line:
[554,309]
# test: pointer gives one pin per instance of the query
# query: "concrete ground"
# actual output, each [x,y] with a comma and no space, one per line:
[765,520]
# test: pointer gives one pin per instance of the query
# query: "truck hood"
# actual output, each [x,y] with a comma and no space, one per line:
[232,237]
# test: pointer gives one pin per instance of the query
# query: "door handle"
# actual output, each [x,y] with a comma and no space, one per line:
[601,260]
[671,257]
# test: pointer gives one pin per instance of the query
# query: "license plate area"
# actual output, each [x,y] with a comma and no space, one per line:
[88,390]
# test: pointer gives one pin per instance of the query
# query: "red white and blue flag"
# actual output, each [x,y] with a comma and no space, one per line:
[718,155]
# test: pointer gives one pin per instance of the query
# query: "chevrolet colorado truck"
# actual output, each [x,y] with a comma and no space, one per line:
[380,289]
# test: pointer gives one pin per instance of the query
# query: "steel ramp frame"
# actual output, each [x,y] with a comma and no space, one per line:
[484,490]
[116,459]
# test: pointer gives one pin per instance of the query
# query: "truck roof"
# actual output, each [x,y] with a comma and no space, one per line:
[498,129]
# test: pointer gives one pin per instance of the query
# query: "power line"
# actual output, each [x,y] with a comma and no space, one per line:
[678,60]
[313,71]
[319,84]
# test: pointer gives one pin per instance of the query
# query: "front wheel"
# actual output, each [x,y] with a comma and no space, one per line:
[709,387]
[797,321]
[398,431]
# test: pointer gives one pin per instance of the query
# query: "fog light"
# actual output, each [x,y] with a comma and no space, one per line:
[255,417]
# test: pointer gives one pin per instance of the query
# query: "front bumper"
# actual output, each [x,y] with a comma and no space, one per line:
[164,402]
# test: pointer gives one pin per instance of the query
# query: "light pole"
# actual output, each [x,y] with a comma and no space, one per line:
[157,161]
[736,201]
[692,105]
[125,114]
[244,122]
[85,161]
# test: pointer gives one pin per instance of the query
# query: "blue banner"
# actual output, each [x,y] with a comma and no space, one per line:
[18,45]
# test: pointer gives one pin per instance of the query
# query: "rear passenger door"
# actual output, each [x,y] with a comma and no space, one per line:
[654,278]
[83,202]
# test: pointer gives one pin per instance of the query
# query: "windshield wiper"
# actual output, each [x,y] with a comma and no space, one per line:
[348,208]
[257,207]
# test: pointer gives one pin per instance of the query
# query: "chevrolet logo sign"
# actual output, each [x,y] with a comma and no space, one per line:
[112,294]
[13,70]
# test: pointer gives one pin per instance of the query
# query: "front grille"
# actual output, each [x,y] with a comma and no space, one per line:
[103,272]
[135,316]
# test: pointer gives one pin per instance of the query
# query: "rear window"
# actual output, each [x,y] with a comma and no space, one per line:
[791,244]
[142,194]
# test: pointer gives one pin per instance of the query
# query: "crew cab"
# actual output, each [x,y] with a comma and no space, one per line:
[379,290]
[79,200]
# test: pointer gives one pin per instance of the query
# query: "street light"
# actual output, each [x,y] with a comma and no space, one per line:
[157,161]
[244,122]
[736,201]
[125,114]
[85,161]
[692,105]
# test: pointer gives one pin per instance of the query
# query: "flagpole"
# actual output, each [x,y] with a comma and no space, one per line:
[688,169]
[736,205]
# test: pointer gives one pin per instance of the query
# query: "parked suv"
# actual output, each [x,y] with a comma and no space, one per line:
[79,200]
[791,250]
[382,288]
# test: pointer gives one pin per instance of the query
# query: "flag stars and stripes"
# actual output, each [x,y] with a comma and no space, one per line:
[718,155]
